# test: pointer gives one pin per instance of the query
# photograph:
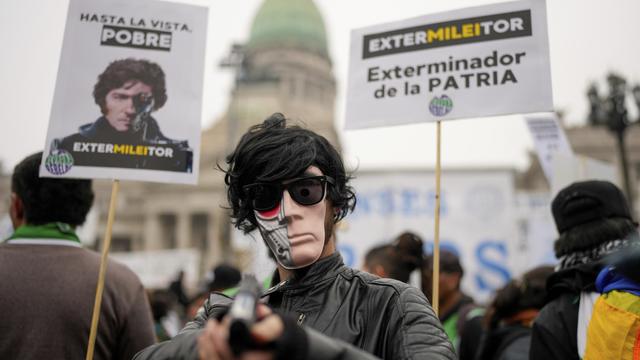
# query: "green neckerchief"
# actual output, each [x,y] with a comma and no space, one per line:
[55,230]
[232,292]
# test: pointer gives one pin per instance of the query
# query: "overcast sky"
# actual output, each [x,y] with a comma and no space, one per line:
[587,39]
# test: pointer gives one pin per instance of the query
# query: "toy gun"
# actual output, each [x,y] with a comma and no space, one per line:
[143,104]
[243,314]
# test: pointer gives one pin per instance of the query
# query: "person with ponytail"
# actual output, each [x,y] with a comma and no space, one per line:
[396,260]
[511,315]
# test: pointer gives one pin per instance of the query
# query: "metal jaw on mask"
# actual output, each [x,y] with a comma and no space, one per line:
[274,232]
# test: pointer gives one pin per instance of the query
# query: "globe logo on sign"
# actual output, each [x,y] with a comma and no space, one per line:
[58,162]
[441,106]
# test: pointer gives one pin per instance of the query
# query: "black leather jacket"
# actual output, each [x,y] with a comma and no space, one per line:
[343,312]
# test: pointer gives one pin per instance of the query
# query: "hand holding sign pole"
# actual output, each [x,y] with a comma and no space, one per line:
[469,63]
[120,133]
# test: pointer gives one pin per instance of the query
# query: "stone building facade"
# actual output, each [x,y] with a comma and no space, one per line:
[283,67]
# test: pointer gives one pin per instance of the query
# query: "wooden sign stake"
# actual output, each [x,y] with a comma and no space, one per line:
[103,269]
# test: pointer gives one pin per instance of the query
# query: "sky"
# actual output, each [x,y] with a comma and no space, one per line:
[586,37]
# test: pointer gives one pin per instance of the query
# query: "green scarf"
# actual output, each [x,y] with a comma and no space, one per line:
[55,230]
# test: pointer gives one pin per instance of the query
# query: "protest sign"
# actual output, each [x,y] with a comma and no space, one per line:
[474,62]
[127,102]
[549,139]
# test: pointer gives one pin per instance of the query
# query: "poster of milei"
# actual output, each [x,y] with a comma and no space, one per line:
[128,96]
[474,62]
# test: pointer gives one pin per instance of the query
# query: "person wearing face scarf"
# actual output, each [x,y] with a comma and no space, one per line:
[594,223]
[290,184]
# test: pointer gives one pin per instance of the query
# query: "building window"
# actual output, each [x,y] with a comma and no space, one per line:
[200,231]
[121,244]
[168,223]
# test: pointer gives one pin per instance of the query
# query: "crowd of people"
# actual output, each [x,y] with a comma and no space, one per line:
[289,184]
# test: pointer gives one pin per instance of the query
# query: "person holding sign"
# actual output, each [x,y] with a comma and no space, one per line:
[49,280]
[291,185]
[126,135]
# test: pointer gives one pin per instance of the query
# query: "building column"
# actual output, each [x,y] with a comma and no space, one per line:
[215,231]
[151,235]
[183,230]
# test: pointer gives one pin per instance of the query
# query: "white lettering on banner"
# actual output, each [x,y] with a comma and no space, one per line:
[123,149]
[399,201]
[477,221]
[137,38]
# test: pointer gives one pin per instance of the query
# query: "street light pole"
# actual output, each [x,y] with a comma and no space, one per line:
[235,60]
[611,111]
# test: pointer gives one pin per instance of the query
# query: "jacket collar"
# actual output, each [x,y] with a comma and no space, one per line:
[573,280]
[54,231]
[102,130]
[314,274]
[97,128]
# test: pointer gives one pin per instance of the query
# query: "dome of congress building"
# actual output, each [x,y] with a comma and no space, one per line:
[289,23]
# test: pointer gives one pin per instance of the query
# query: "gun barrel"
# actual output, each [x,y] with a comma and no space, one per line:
[243,314]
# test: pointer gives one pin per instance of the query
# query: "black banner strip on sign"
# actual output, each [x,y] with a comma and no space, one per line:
[448,33]
[135,38]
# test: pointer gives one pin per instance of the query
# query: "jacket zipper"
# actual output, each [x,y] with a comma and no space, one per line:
[301,318]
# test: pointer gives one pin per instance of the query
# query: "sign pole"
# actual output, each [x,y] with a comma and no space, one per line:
[436,237]
[103,269]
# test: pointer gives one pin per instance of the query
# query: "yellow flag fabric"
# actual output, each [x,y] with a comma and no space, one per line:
[614,329]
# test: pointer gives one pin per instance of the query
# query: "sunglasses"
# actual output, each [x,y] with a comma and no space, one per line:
[305,191]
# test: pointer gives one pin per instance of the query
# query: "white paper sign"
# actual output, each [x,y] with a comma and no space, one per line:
[474,62]
[549,139]
[127,102]
[477,220]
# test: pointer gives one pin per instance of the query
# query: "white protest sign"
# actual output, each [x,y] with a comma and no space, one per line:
[127,102]
[477,219]
[549,139]
[474,62]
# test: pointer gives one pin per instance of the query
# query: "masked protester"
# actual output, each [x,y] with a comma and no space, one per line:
[290,184]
